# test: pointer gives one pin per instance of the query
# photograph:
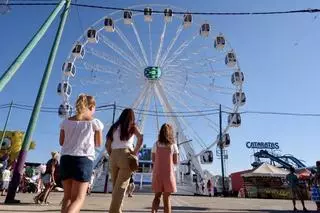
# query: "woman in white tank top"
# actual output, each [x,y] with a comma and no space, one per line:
[119,146]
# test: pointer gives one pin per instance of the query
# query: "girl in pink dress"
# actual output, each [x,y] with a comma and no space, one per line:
[164,157]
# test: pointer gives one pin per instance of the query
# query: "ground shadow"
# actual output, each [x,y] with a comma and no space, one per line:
[18,204]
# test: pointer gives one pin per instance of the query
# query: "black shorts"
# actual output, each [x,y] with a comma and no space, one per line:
[76,168]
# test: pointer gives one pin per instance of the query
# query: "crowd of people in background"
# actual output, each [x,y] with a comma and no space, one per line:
[82,133]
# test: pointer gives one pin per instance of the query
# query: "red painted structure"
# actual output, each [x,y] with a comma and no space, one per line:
[237,181]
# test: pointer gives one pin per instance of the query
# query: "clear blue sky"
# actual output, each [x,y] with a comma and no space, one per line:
[278,55]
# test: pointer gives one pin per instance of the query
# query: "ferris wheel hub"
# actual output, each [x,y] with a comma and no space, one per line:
[152,73]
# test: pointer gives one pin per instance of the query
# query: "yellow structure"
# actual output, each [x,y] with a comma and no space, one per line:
[11,145]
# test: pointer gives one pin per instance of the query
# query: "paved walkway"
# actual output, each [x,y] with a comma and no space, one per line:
[142,203]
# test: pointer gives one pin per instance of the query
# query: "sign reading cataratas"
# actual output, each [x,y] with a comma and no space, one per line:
[262,145]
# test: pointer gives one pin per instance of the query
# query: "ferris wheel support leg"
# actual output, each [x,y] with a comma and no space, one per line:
[190,153]
[8,74]
[17,173]
[146,107]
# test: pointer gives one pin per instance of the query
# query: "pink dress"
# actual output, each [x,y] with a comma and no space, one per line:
[163,175]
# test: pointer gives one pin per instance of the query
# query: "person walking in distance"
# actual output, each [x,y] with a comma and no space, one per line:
[48,179]
[79,135]
[209,187]
[131,186]
[6,174]
[164,157]
[119,146]
[296,192]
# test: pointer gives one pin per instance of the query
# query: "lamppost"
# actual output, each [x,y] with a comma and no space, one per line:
[221,151]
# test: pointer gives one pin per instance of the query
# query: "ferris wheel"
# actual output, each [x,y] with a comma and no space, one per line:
[169,66]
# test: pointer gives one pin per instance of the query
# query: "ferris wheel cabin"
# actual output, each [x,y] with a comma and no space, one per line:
[231,59]
[187,20]
[92,36]
[239,98]
[234,119]
[152,73]
[237,78]
[219,42]
[168,15]
[147,12]
[65,110]
[206,157]
[64,89]
[78,51]
[225,140]
[204,30]
[108,25]
[127,17]
[69,69]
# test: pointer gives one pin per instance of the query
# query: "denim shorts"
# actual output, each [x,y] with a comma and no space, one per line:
[77,168]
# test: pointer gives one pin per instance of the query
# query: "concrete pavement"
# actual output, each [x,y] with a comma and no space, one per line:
[142,203]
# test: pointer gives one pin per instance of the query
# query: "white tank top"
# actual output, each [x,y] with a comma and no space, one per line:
[117,143]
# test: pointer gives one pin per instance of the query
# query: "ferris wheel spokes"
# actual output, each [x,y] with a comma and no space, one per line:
[182,102]
[179,100]
[113,60]
[187,147]
[140,43]
[150,43]
[130,47]
[179,50]
[156,63]
[145,106]
[172,43]
[119,51]
[140,97]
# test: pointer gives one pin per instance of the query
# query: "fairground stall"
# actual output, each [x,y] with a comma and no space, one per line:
[266,181]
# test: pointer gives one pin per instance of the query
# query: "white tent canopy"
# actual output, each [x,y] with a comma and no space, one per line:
[267,170]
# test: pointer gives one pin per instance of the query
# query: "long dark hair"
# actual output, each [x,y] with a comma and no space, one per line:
[126,123]
[166,134]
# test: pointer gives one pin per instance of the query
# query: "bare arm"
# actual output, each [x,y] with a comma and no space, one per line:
[97,138]
[153,156]
[61,138]
[108,145]
[53,168]
[139,141]
[175,158]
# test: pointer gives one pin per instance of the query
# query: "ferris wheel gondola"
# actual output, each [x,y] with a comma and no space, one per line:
[78,50]
[168,14]
[65,110]
[231,59]
[64,89]
[204,30]
[237,78]
[127,17]
[147,14]
[234,119]
[109,25]
[92,36]
[69,69]
[219,42]
[225,140]
[239,98]
[187,20]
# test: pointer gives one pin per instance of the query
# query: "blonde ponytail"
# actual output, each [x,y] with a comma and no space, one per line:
[84,102]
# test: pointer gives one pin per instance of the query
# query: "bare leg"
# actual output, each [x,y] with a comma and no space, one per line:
[318,206]
[131,189]
[294,203]
[166,202]
[66,201]
[47,195]
[156,202]
[78,195]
